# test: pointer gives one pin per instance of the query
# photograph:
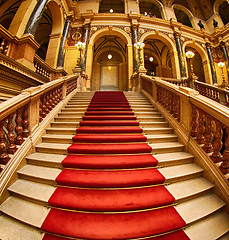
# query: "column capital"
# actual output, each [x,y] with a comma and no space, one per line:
[208,45]
[177,34]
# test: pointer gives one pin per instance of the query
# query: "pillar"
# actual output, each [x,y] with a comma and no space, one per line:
[85,40]
[213,70]
[135,51]
[35,17]
[180,55]
[225,53]
[60,60]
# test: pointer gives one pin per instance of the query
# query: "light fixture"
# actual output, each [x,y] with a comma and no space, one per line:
[111,10]
[190,56]
[221,65]
[109,56]
[80,46]
[151,59]
[139,46]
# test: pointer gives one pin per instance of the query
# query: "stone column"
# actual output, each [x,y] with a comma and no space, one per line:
[213,70]
[135,50]
[85,40]
[35,17]
[225,53]
[60,60]
[180,54]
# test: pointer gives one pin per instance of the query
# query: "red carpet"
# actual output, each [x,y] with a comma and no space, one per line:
[109,162]
[109,138]
[109,187]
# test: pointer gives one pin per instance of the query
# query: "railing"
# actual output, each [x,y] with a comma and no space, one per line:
[22,114]
[5,40]
[41,67]
[217,94]
[204,120]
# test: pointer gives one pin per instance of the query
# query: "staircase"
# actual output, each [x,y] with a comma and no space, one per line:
[24,212]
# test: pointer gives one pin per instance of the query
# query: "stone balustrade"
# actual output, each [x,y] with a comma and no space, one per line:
[21,115]
[202,119]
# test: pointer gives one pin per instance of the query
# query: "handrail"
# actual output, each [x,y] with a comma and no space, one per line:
[22,114]
[200,123]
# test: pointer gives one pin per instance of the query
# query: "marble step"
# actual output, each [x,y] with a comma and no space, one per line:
[54,160]
[47,175]
[76,123]
[54,138]
[191,211]
[41,193]
[72,130]
[12,229]
[61,148]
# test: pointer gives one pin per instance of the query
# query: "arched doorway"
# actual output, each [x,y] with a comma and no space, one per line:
[223,12]
[182,15]
[8,10]
[110,64]
[48,33]
[111,6]
[150,8]
[157,58]
[201,66]
[102,42]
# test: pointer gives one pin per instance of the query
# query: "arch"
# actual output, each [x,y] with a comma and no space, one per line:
[186,11]
[8,10]
[171,46]
[106,5]
[216,10]
[204,56]
[111,31]
[57,16]
[161,36]
[158,4]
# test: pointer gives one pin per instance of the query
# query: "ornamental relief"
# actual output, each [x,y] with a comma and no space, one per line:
[97,28]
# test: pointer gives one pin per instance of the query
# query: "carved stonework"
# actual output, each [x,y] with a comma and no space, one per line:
[97,28]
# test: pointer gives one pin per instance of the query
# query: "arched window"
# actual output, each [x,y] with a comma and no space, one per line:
[8,10]
[223,12]
[117,6]
[182,17]
[149,9]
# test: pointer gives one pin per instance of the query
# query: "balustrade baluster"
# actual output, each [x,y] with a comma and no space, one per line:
[6,48]
[25,122]
[217,144]
[200,128]
[40,111]
[194,121]
[4,157]
[46,97]
[178,108]
[52,99]
[2,46]
[19,128]
[56,96]
[11,135]
[49,101]
[208,135]
[224,167]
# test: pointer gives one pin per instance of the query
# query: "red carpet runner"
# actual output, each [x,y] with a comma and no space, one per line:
[109,187]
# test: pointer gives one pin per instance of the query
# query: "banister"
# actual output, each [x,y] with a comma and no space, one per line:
[203,127]
[21,115]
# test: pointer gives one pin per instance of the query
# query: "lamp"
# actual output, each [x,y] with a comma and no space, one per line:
[139,46]
[80,46]
[151,59]
[221,65]
[190,56]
